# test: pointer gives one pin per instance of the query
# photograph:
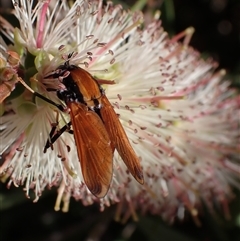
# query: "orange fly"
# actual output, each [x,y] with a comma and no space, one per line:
[96,128]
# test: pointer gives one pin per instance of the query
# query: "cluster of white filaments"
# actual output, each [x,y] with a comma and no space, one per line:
[180,117]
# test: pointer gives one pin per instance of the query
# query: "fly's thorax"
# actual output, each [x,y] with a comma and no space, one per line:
[80,86]
[88,86]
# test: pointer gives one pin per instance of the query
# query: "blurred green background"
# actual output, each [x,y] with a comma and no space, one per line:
[217,25]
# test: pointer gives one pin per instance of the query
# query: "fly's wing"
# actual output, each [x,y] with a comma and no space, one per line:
[120,139]
[93,147]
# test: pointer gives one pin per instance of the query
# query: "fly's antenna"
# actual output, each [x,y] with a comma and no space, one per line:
[67,63]
[70,55]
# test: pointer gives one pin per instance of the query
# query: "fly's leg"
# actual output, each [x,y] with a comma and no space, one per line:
[59,106]
[54,135]
[51,134]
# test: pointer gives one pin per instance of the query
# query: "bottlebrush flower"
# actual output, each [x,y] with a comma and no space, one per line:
[181,118]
